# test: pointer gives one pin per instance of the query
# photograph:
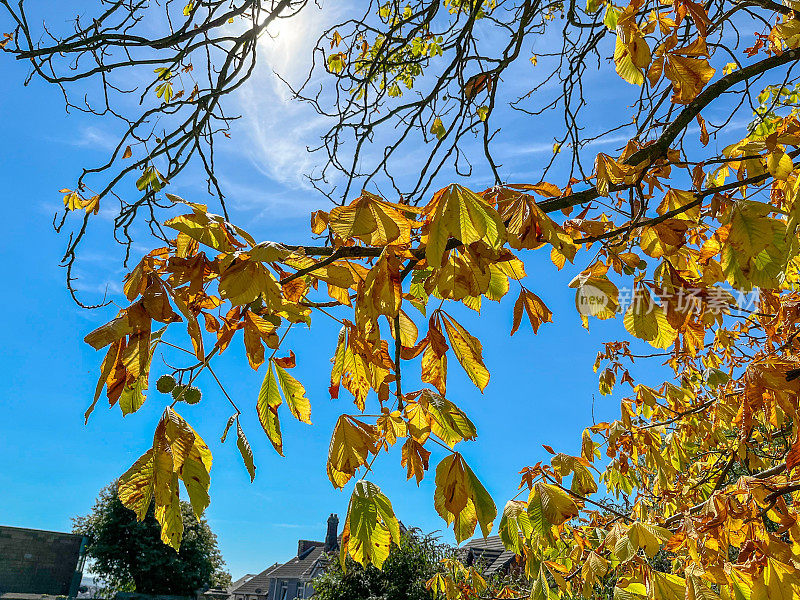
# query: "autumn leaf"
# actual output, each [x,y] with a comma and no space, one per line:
[445,420]
[688,76]
[594,568]
[548,507]
[351,444]
[647,321]
[370,528]
[459,213]
[245,450]
[611,172]
[438,129]
[631,56]
[646,536]
[294,393]
[476,84]
[779,164]
[382,291]
[515,526]
[390,426]
[536,310]
[178,453]
[415,458]
[372,220]
[461,500]
[468,351]
[204,228]
[527,225]
[269,399]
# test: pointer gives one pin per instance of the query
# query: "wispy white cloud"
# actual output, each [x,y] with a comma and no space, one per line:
[91,285]
[94,138]
[280,128]
[276,204]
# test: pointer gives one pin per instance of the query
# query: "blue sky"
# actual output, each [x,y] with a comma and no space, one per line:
[542,389]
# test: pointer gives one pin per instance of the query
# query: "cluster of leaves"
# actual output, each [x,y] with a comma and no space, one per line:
[459,247]
[723,224]
[128,555]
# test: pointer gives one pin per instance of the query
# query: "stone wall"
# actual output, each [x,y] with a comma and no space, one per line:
[40,562]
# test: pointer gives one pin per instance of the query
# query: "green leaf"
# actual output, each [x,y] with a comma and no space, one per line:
[611,16]
[515,521]
[370,528]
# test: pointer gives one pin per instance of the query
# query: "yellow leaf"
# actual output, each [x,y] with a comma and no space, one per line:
[438,129]
[110,332]
[243,281]
[514,522]
[246,451]
[391,426]
[779,164]
[201,228]
[610,172]
[408,330]
[135,487]
[778,581]
[351,443]
[448,422]
[382,292]
[178,453]
[434,369]
[665,586]
[461,499]
[631,55]
[269,399]
[529,226]
[458,212]
[556,505]
[688,76]
[595,296]
[295,395]
[372,220]
[646,320]
[677,199]
[468,351]
[593,569]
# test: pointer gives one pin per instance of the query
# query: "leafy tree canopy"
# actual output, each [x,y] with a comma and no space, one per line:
[666,233]
[410,564]
[128,555]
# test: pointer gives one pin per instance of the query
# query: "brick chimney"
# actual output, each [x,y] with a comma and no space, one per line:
[303,545]
[331,541]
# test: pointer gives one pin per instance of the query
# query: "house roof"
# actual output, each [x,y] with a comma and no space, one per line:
[489,552]
[250,583]
[300,567]
[243,579]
